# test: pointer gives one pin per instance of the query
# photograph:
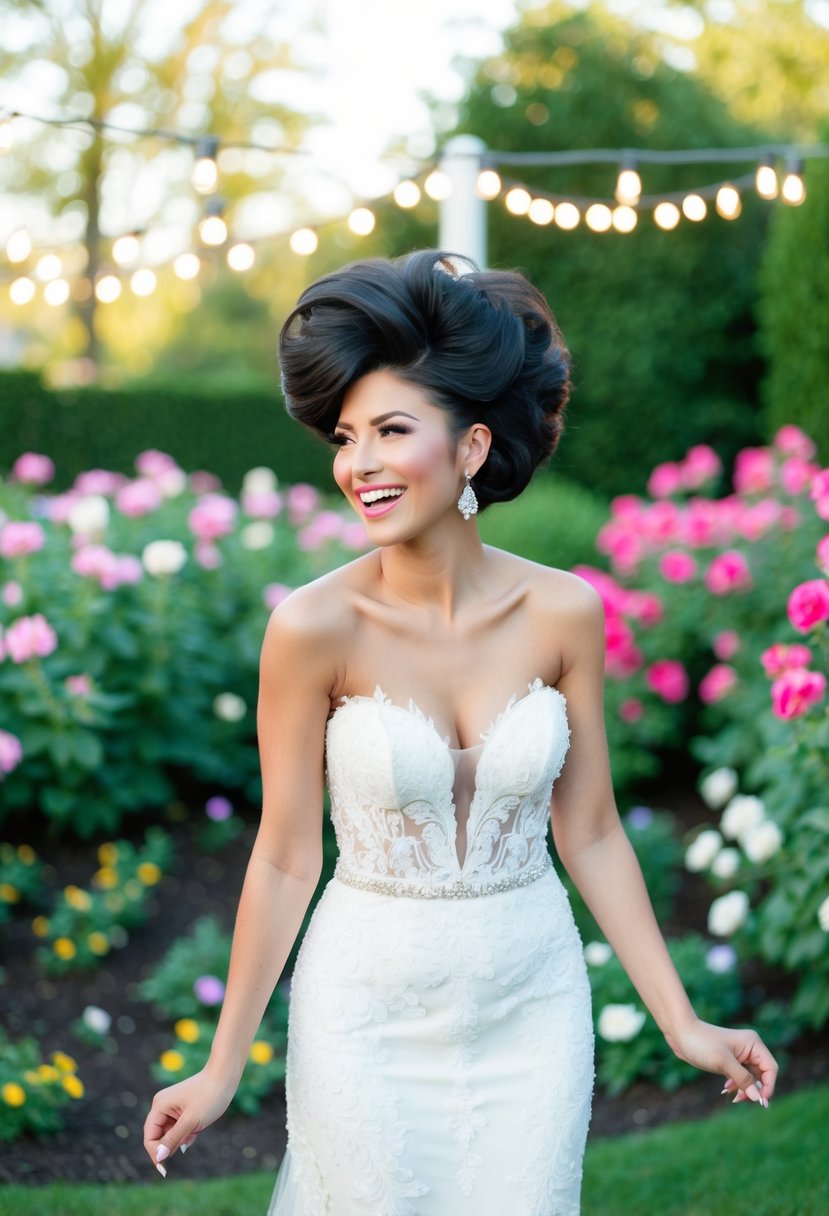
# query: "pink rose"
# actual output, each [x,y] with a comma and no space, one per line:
[662,521]
[33,469]
[213,516]
[665,480]
[717,683]
[677,566]
[626,507]
[793,442]
[265,505]
[622,656]
[796,474]
[622,545]
[11,752]
[726,644]
[728,571]
[642,606]
[207,555]
[78,686]
[138,497]
[782,656]
[153,463]
[275,593]
[202,482]
[796,691]
[302,500]
[98,562]
[18,539]
[668,678]
[809,604]
[612,595]
[98,481]
[819,493]
[758,518]
[12,594]
[753,470]
[631,709]
[29,637]
[701,464]
[822,554]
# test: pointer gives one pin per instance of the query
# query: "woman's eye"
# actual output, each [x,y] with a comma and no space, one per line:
[337,440]
[394,428]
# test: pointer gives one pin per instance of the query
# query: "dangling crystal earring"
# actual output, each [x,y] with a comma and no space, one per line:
[468,503]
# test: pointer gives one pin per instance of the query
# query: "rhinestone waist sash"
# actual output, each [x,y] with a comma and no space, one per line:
[461,888]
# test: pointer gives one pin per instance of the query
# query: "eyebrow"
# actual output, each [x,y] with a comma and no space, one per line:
[346,426]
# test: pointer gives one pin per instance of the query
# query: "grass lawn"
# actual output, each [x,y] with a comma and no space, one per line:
[743,1162]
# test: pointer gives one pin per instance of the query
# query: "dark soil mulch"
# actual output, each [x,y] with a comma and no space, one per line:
[104,1137]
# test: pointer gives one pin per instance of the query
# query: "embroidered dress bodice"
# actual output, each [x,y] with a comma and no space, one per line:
[411,813]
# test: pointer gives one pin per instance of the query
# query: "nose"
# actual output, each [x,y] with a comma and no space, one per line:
[365,458]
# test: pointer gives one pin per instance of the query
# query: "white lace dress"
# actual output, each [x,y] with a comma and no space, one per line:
[440,1044]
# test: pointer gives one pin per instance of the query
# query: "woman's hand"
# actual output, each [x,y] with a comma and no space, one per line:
[181,1111]
[740,1056]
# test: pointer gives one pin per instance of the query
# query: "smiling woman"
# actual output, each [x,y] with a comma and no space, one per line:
[440,1043]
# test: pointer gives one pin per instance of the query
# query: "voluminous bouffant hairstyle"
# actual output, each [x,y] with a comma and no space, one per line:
[482,345]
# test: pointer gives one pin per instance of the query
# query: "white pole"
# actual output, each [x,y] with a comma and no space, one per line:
[463,213]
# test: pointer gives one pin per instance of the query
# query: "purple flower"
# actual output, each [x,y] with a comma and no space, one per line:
[209,989]
[218,808]
[639,818]
[721,958]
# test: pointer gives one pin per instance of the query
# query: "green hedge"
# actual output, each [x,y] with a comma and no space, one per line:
[225,429]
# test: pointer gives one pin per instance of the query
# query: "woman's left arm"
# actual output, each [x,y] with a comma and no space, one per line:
[598,856]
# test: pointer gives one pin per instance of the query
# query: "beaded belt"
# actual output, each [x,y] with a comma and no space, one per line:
[459,889]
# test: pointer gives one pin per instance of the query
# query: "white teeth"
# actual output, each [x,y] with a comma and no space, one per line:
[376,495]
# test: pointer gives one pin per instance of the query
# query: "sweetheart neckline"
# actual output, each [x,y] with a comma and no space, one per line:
[380,698]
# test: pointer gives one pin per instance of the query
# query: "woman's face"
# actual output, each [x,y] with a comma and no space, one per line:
[395,460]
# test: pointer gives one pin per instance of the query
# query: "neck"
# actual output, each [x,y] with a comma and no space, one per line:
[441,570]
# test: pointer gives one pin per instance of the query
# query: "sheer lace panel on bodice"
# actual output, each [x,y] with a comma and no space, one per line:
[407,805]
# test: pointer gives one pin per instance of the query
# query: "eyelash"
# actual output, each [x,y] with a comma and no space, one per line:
[388,428]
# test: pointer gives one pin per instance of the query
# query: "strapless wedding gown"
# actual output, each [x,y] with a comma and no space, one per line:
[440,1043]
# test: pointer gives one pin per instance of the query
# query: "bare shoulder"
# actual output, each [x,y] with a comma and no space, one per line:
[553,591]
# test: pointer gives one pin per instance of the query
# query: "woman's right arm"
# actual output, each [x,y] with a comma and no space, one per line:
[283,871]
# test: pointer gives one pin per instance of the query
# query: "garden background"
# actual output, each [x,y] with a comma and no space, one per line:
[156,503]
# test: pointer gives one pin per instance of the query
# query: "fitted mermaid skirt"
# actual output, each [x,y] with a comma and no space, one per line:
[440,1045]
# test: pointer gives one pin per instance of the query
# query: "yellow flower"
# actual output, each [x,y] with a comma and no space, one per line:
[108,854]
[64,1062]
[98,943]
[261,1052]
[149,873]
[40,926]
[47,1072]
[187,1029]
[13,1094]
[64,948]
[9,893]
[26,854]
[77,898]
[173,1061]
[73,1086]
[133,889]
[106,877]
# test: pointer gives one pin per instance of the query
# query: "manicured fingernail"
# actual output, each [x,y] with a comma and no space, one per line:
[752,1094]
[163,1153]
[161,1171]
[725,1091]
[184,1147]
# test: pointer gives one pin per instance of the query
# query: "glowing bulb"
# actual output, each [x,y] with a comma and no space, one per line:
[19,246]
[304,241]
[694,207]
[186,266]
[489,184]
[728,203]
[56,292]
[22,290]
[793,190]
[108,288]
[438,185]
[361,221]
[541,211]
[624,218]
[48,267]
[125,249]
[598,217]
[213,230]
[143,282]
[666,216]
[407,194]
[567,216]
[765,181]
[205,175]
[628,187]
[518,201]
[241,256]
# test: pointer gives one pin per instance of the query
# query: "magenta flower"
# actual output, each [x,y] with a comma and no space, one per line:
[98,481]
[717,683]
[783,656]
[627,507]
[33,469]
[758,518]
[18,539]
[643,606]
[819,493]
[795,692]
[808,604]
[98,562]
[754,470]
[701,464]
[138,497]
[729,571]
[30,637]
[726,644]
[153,463]
[797,474]
[665,479]
[218,808]
[213,516]
[700,524]
[11,752]
[265,505]
[631,709]
[302,501]
[209,989]
[668,679]
[822,554]
[791,441]
[622,656]
[676,566]
[624,547]
[79,685]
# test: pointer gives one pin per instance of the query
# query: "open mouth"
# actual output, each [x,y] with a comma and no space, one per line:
[380,500]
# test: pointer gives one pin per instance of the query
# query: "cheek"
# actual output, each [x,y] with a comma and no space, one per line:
[428,460]
[342,470]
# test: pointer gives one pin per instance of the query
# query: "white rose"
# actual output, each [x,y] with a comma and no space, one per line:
[620,1023]
[164,557]
[89,514]
[171,482]
[726,863]
[727,913]
[702,851]
[97,1019]
[596,954]
[743,812]
[229,707]
[761,843]
[258,535]
[260,480]
[823,915]
[716,789]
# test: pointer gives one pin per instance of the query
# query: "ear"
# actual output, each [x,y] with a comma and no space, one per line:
[475,447]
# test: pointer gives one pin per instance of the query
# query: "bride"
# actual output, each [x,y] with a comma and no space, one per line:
[440,1045]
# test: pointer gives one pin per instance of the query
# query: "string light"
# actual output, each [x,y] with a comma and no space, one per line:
[666,216]
[438,185]
[518,200]
[407,194]
[125,249]
[56,292]
[108,288]
[187,266]
[694,207]
[598,217]
[628,185]
[728,202]
[765,179]
[624,218]
[541,211]
[143,282]
[19,246]
[212,228]
[205,175]
[304,241]
[567,216]
[22,290]
[488,185]
[241,256]
[48,267]
[793,190]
